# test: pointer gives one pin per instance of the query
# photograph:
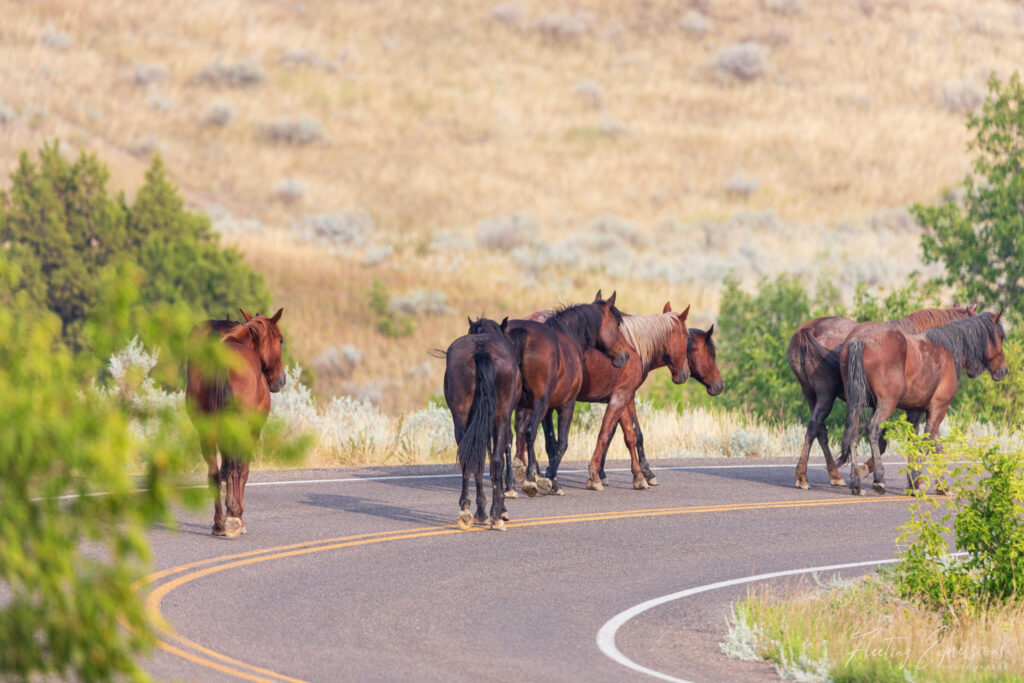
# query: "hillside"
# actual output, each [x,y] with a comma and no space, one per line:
[501,157]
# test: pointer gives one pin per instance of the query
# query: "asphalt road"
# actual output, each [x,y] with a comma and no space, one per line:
[343,577]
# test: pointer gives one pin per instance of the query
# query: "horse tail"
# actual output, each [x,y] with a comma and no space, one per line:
[478,440]
[518,338]
[438,353]
[811,347]
[858,394]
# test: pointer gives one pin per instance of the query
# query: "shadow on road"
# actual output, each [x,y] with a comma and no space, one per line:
[377,508]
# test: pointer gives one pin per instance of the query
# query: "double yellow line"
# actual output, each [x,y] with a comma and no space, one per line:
[224,664]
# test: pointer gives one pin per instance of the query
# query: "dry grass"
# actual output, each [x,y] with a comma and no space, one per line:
[438,117]
[865,632]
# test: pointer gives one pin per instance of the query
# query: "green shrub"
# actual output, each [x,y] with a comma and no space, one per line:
[390,322]
[986,516]
[65,232]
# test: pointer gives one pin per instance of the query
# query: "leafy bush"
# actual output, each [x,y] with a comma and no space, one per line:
[986,516]
[390,322]
[66,234]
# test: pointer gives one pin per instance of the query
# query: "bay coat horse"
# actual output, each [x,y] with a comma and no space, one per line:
[888,370]
[241,389]
[482,386]
[813,355]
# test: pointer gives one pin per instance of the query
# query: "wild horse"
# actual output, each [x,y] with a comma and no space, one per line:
[239,388]
[551,361]
[701,355]
[813,356]
[655,341]
[887,369]
[482,386]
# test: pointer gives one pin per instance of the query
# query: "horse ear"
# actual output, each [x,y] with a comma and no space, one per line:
[597,297]
[973,308]
[667,308]
[277,316]
[683,315]
[245,315]
[504,323]
[998,315]
[711,329]
[611,299]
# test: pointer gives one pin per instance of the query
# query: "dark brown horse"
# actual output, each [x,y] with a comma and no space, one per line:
[240,389]
[551,361]
[701,355]
[482,386]
[889,370]
[813,355]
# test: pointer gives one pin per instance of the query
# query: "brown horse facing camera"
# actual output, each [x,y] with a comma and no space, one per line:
[889,370]
[243,388]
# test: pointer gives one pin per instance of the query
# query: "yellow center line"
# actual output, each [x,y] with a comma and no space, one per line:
[157,595]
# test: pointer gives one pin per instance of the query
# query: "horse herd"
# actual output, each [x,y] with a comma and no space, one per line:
[546,362]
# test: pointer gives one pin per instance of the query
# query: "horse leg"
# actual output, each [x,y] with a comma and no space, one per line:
[233,501]
[214,475]
[611,417]
[604,456]
[536,414]
[544,484]
[564,420]
[504,439]
[809,436]
[519,464]
[641,456]
[465,516]
[883,412]
[639,478]
[825,409]
[936,414]
[509,477]
[498,512]
[481,496]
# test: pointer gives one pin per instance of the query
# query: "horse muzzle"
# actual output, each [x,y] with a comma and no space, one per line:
[277,384]
[681,376]
[715,388]
[620,360]
[1000,374]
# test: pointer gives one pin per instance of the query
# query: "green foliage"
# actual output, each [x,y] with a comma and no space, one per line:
[65,233]
[390,322]
[67,565]
[980,242]
[986,516]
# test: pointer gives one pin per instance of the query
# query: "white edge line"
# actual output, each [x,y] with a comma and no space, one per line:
[606,636]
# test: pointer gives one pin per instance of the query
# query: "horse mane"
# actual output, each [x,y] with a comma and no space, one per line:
[928,318]
[649,334]
[710,343]
[581,323]
[242,331]
[485,326]
[967,338]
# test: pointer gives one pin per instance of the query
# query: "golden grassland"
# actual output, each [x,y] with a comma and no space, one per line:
[438,116]
[865,632]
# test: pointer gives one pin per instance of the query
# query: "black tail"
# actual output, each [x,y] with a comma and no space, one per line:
[810,346]
[518,338]
[858,395]
[438,353]
[478,440]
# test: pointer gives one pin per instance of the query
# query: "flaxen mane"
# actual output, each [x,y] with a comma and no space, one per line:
[649,334]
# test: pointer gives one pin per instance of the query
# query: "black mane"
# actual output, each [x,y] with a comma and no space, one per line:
[708,341]
[968,339]
[581,323]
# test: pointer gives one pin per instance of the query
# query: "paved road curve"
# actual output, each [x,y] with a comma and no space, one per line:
[347,577]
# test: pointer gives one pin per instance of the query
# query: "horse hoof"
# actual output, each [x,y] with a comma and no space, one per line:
[530,488]
[653,481]
[511,493]
[498,524]
[802,484]
[519,470]
[640,484]
[504,516]
[233,527]
[544,485]
[218,531]
[879,487]
[557,491]
[465,520]
[480,520]
[837,482]
[595,485]
[604,481]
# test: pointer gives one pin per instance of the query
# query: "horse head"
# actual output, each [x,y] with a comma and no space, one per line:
[267,341]
[487,326]
[610,339]
[995,361]
[702,355]
[675,350]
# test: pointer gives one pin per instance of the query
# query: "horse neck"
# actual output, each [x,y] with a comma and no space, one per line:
[926,319]
[965,342]
[582,337]
[649,336]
